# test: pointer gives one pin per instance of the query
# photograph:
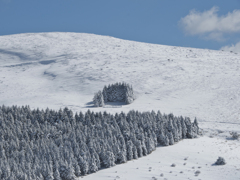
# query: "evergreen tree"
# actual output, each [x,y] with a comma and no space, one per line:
[108,159]
[121,157]
[84,166]
[56,175]
[139,148]
[129,150]
[97,160]
[92,165]
[144,149]
[195,127]
[190,133]
[165,138]
[175,130]
[170,138]
[67,172]
[77,170]
[179,129]
[98,99]
[184,128]
[105,95]
[150,145]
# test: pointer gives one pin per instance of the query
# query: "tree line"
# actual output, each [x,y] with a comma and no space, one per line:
[60,145]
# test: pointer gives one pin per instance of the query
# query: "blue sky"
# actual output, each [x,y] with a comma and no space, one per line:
[210,24]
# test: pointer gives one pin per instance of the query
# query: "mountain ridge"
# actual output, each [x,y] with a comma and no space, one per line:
[68,68]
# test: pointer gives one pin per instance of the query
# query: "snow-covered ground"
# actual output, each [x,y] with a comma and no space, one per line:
[65,69]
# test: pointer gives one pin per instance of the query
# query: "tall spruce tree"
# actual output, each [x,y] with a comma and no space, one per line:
[98,99]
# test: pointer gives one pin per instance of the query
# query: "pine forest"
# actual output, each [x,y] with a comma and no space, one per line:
[60,145]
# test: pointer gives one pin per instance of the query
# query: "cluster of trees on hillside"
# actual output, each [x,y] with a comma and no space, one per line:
[121,92]
[59,145]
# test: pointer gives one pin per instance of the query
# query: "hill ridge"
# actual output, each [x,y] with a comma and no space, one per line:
[59,69]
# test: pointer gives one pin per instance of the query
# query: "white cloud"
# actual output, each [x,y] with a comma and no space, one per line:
[209,25]
[234,48]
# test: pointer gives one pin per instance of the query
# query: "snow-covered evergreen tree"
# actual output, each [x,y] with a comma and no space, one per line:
[56,175]
[170,138]
[129,150]
[195,127]
[190,132]
[144,149]
[150,145]
[108,159]
[121,157]
[98,100]
[184,128]
[104,93]
[84,166]
[77,170]
[92,165]
[67,172]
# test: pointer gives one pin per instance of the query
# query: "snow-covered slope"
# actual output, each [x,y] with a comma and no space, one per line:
[65,69]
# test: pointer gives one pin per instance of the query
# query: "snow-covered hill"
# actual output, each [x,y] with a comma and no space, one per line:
[65,69]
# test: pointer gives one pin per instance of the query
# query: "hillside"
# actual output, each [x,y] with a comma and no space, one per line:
[65,69]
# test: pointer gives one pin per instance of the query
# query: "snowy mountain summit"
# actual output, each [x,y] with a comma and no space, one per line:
[66,69]
[56,70]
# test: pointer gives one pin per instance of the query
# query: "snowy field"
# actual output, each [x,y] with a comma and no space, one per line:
[65,69]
